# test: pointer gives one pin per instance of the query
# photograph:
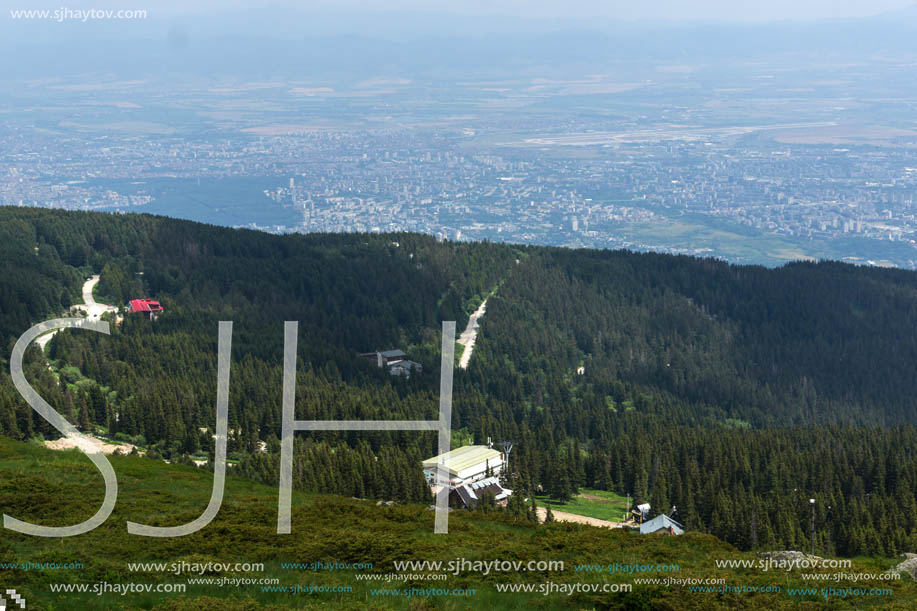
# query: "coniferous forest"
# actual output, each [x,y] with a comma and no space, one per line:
[733,393]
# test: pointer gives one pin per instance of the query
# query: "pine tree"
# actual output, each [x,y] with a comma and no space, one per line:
[85,425]
[533,511]
[68,407]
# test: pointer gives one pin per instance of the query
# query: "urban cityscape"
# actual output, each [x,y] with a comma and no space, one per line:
[750,192]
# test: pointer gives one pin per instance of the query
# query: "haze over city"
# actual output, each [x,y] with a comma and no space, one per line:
[485,305]
[753,135]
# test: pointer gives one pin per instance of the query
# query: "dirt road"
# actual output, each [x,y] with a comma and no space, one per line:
[563,516]
[93,309]
[470,334]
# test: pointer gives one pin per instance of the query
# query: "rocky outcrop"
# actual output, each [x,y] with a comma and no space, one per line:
[909,566]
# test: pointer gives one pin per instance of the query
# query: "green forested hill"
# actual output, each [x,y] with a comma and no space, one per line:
[803,344]
[729,392]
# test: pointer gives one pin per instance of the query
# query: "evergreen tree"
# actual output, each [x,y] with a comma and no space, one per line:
[84,425]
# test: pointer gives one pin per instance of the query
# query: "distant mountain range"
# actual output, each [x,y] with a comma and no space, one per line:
[313,45]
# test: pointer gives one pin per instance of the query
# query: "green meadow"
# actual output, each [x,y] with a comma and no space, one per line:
[600,504]
[60,488]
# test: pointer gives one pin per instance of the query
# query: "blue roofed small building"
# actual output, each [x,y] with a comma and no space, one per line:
[662,524]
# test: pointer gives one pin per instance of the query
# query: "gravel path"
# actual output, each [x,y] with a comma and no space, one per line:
[96,445]
[470,334]
[93,309]
[563,516]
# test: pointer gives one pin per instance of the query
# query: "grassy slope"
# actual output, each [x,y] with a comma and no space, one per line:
[57,488]
[600,504]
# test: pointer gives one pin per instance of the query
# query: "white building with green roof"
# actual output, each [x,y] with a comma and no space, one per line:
[466,464]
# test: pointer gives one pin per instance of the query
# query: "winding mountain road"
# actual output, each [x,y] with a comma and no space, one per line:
[87,442]
[93,309]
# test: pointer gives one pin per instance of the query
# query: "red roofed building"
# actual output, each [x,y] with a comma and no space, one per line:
[149,307]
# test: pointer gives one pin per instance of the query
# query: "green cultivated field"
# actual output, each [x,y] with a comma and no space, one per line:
[58,488]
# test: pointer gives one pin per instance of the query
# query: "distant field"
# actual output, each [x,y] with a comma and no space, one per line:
[599,504]
[283,129]
[876,135]
[143,127]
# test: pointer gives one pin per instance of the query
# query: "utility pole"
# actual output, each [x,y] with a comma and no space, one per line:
[812,525]
[507,448]
[506,473]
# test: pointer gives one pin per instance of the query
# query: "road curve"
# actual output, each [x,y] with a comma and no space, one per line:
[93,309]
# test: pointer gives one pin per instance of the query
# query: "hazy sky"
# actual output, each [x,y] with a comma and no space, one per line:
[706,10]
